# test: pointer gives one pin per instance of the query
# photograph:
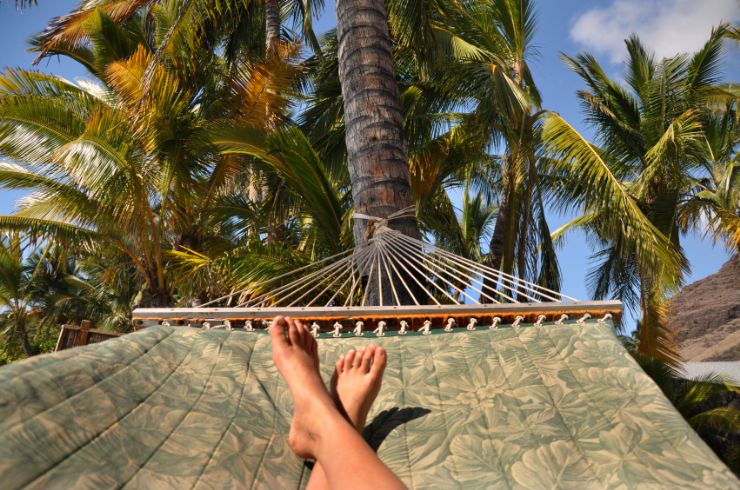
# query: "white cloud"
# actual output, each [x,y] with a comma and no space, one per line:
[667,27]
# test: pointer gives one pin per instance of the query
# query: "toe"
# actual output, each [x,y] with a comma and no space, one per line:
[312,345]
[367,359]
[300,331]
[349,360]
[380,360]
[277,332]
[339,366]
[304,335]
[293,334]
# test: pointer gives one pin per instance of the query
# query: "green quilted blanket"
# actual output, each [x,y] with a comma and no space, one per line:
[533,407]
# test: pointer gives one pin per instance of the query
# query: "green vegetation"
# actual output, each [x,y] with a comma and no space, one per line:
[210,151]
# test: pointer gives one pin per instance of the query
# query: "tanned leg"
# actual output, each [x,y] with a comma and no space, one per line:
[318,430]
[354,387]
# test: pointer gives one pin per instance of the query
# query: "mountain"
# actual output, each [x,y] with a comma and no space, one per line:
[706,316]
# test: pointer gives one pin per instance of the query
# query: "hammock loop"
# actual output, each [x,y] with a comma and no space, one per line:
[583,319]
[375,223]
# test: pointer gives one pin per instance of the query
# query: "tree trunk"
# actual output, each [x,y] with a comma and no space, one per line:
[526,209]
[376,150]
[272,24]
[501,249]
[23,334]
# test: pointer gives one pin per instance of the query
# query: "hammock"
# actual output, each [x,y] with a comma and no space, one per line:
[492,381]
[554,406]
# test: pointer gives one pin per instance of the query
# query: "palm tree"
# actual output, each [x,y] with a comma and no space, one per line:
[652,137]
[488,71]
[714,202]
[129,164]
[15,293]
[461,231]
[458,57]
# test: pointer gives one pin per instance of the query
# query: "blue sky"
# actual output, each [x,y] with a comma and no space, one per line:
[567,26]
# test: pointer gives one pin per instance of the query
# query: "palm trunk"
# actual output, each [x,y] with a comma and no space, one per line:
[23,334]
[503,240]
[272,24]
[526,209]
[660,206]
[376,151]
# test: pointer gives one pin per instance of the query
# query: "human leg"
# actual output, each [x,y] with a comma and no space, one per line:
[318,430]
[355,384]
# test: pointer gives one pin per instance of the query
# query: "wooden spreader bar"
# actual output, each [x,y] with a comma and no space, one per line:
[392,316]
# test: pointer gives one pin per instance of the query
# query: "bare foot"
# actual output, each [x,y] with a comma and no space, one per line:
[356,382]
[295,354]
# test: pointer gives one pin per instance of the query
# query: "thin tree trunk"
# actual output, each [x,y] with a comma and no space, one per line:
[526,208]
[376,150]
[23,334]
[272,25]
[500,254]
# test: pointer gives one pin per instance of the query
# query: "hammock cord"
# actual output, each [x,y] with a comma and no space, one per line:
[397,266]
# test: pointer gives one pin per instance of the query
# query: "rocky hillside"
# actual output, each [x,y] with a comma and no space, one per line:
[706,315]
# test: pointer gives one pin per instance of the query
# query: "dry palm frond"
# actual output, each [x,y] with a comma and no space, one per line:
[69,30]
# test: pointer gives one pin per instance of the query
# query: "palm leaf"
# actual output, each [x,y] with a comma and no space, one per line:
[298,164]
[600,189]
[724,419]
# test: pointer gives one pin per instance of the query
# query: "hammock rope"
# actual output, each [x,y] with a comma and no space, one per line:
[394,263]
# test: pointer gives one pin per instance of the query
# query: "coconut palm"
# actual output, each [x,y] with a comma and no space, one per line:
[652,142]
[15,294]
[129,164]
[461,230]
[240,26]
[714,203]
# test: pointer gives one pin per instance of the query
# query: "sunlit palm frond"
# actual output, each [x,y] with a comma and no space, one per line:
[599,189]
[60,232]
[289,153]
[724,419]
[261,91]
[69,30]
[32,128]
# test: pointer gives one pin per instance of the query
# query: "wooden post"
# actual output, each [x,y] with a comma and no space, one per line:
[61,341]
[83,333]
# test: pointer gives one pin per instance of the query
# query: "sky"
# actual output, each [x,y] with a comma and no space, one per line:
[564,26]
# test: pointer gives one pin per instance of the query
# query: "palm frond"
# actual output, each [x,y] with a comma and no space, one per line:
[58,231]
[724,419]
[69,30]
[600,189]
